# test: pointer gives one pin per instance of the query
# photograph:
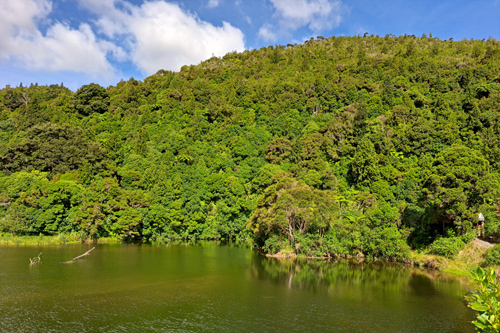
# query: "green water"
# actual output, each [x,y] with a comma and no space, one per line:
[210,288]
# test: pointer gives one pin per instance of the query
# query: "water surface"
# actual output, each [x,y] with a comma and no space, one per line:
[211,288]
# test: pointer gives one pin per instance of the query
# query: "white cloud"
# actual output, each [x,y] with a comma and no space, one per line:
[266,33]
[213,3]
[163,36]
[59,49]
[98,5]
[317,15]
[66,49]
[111,20]
[22,13]
[18,18]
[155,35]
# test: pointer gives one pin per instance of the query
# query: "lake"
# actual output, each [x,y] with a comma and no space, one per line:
[205,287]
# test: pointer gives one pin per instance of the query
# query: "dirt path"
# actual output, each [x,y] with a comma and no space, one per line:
[482,243]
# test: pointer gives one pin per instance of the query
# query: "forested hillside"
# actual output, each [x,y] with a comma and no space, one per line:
[338,146]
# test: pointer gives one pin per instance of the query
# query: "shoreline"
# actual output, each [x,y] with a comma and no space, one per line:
[461,265]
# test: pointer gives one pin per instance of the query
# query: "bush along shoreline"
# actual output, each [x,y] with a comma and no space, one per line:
[459,260]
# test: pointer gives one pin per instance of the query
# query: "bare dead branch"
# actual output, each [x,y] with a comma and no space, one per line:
[79,257]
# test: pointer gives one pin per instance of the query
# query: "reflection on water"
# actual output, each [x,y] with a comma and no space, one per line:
[205,287]
[389,296]
[377,275]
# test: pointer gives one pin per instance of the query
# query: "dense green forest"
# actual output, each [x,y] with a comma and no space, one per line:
[342,145]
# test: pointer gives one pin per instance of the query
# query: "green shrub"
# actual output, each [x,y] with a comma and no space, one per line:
[275,244]
[447,247]
[485,300]
[493,256]
[387,242]
[335,243]
[470,236]
[308,245]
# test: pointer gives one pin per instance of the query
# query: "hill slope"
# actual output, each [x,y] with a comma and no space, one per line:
[337,146]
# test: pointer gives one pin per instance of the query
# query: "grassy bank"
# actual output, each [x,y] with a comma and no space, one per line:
[7,239]
[463,264]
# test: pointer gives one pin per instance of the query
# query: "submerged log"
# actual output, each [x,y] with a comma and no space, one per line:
[36,260]
[79,257]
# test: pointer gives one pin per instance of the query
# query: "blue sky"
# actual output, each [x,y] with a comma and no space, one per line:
[77,42]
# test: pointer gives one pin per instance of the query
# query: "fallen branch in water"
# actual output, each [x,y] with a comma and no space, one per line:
[79,257]
[36,260]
